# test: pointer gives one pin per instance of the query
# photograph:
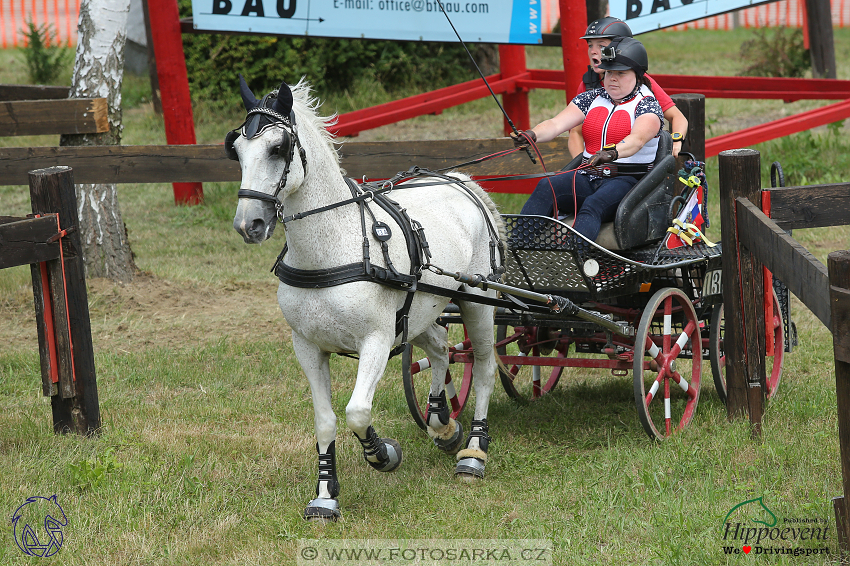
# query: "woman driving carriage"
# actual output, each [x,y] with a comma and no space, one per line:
[622,121]
[599,34]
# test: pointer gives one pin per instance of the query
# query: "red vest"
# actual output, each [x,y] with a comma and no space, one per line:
[613,122]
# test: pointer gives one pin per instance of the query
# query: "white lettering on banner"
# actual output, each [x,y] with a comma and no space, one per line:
[648,15]
[490,21]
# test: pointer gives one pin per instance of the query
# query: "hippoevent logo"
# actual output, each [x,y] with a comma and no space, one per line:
[750,527]
[37,526]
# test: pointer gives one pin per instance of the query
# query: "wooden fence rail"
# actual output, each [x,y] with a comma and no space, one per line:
[189,163]
[46,117]
[33,92]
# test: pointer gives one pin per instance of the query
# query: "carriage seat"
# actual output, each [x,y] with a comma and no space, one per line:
[643,215]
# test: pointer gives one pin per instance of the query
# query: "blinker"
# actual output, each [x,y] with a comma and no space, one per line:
[285,148]
[229,140]
[253,126]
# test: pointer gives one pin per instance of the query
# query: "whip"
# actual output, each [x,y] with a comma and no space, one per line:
[483,78]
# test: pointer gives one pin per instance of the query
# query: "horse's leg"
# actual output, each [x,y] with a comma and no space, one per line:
[446,432]
[314,362]
[383,454]
[478,319]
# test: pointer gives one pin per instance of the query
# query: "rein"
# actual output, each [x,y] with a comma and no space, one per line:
[371,193]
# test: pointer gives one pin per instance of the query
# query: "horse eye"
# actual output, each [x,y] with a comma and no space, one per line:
[276,150]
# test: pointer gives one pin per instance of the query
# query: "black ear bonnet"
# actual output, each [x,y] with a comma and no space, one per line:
[275,109]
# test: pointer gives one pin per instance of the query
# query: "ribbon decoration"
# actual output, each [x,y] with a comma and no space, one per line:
[687,232]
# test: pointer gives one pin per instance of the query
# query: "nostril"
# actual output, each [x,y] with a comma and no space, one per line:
[257,229]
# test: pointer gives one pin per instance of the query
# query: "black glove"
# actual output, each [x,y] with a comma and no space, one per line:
[607,154]
[520,138]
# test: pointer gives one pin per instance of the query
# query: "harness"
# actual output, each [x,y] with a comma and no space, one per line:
[417,249]
[262,117]
[414,234]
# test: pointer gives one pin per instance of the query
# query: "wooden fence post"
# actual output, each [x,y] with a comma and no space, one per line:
[52,191]
[821,43]
[744,341]
[693,107]
[838,264]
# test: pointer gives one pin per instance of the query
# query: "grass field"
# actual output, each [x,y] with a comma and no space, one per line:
[207,455]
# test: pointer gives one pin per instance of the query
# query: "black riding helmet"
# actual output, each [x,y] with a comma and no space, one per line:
[624,53]
[607,27]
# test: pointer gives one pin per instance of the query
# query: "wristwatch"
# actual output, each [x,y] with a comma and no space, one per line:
[677,137]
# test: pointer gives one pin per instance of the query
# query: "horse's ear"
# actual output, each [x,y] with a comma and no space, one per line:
[248,97]
[283,102]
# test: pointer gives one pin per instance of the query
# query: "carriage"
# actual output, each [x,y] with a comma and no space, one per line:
[643,306]
[369,270]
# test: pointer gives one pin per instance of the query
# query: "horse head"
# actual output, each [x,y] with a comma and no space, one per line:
[272,157]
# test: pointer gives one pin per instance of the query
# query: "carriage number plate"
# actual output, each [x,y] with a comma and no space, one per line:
[713,283]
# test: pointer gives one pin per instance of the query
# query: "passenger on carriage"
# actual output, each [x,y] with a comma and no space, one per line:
[598,35]
[622,124]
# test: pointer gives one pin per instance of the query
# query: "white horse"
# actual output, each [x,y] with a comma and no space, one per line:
[289,165]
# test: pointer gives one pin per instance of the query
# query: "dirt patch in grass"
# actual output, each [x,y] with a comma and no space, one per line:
[152,312]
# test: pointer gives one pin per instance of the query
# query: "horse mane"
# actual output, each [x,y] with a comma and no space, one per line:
[306,106]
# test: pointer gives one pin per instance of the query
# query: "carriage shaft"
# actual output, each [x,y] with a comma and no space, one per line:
[557,304]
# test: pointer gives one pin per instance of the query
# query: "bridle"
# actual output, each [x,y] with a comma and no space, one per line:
[251,128]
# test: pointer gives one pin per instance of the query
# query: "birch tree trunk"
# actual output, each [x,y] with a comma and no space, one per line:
[98,73]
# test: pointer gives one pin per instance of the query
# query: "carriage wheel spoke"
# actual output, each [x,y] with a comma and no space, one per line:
[535,379]
[682,340]
[653,351]
[683,383]
[668,415]
[654,389]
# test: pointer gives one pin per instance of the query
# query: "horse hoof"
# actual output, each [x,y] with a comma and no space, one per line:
[322,511]
[449,445]
[470,469]
[393,454]
[468,478]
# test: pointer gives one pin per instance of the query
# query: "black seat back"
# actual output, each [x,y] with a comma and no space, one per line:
[643,214]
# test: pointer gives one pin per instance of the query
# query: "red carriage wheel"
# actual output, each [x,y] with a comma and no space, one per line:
[772,364]
[416,374]
[666,366]
[526,382]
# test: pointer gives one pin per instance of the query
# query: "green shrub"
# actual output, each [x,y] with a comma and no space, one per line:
[781,54]
[44,64]
[330,65]
[808,158]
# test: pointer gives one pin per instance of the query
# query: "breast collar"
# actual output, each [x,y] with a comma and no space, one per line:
[417,251]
